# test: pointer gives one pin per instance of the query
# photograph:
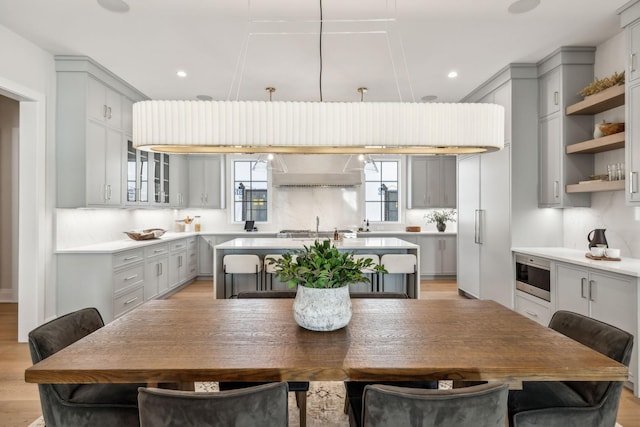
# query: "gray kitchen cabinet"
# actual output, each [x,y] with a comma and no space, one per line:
[561,76]
[433,182]
[206,180]
[91,130]
[104,104]
[137,187]
[179,178]
[550,169]
[192,258]
[159,178]
[177,263]
[205,255]
[156,277]
[183,261]
[608,297]
[498,192]
[113,283]
[104,147]
[437,255]
[630,21]
[549,93]
[534,308]
[632,145]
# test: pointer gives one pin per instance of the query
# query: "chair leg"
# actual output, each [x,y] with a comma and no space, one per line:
[301,401]
[346,405]
[224,285]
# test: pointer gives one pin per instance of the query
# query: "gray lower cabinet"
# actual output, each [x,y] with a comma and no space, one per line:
[156,271]
[608,297]
[116,283]
[112,283]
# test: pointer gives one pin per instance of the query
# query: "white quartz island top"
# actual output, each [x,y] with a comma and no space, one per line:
[626,266]
[290,243]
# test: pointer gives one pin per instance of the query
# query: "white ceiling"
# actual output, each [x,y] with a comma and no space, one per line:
[400,50]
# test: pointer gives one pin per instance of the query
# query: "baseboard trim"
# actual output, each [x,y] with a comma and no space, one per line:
[7,295]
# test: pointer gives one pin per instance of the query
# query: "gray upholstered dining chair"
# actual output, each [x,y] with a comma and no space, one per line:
[80,404]
[300,388]
[573,404]
[263,405]
[482,405]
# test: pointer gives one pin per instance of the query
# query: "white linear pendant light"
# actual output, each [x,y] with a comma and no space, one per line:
[317,127]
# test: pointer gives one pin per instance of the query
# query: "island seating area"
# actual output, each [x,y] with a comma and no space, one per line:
[401,278]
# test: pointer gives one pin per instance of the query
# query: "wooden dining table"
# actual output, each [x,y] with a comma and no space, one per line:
[180,341]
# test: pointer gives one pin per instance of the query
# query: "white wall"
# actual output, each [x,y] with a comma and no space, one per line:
[608,209]
[27,73]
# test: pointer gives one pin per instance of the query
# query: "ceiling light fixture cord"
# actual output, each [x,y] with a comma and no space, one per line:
[320,47]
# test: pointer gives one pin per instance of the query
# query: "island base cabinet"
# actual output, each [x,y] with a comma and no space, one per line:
[610,298]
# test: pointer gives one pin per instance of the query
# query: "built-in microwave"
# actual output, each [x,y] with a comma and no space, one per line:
[533,276]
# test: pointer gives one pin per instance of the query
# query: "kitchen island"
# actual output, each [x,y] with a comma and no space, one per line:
[267,246]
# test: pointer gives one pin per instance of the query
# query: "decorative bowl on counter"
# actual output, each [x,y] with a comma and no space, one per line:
[149,233]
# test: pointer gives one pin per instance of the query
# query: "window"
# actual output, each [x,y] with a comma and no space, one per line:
[250,192]
[381,191]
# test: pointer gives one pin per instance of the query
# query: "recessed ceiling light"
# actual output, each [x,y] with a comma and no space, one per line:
[452,74]
[118,6]
[204,98]
[523,6]
[181,73]
[429,98]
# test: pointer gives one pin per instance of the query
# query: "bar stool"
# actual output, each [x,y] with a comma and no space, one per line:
[269,269]
[241,264]
[399,264]
[369,270]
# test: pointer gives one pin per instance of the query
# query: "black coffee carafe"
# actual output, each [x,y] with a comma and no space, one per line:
[596,237]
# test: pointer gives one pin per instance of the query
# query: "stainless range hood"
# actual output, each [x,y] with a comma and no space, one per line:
[316,170]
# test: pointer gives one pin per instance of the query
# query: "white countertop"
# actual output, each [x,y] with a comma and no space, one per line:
[125,243]
[627,266]
[280,243]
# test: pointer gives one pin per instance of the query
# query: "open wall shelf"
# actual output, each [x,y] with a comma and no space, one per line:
[602,101]
[598,145]
[592,187]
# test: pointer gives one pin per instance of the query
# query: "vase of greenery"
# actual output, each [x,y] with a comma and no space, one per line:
[441,217]
[322,275]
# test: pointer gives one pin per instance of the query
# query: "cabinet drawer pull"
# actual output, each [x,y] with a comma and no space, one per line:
[130,277]
[555,98]
[632,183]
[591,290]
[531,313]
[130,301]
[129,258]
[109,113]
[632,58]
[158,250]
[583,282]
[104,110]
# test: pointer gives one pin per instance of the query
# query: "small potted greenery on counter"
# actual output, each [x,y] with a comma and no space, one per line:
[441,217]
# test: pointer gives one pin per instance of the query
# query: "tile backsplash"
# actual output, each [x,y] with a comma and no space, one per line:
[293,208]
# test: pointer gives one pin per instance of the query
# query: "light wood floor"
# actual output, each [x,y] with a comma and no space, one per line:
[20,404]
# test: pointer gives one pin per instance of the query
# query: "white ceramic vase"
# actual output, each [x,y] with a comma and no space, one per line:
[322,309]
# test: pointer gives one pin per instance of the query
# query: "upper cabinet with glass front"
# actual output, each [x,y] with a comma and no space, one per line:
[93,121]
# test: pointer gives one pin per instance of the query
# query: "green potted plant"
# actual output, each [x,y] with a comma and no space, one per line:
[322,274]
[441,217]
